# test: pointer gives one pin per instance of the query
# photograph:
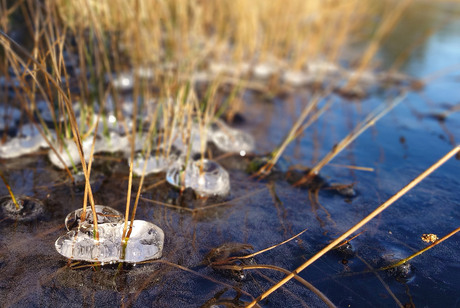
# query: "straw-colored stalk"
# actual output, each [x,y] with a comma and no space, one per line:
[360,224]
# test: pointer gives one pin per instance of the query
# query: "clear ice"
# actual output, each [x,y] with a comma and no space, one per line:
[229,139]
[145,241]
[205,177]
[105,215]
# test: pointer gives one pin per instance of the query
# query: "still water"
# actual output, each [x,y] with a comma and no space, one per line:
[263,213]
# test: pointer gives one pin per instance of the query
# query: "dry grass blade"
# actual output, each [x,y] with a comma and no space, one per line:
[371,120]
[293,133]
[360,224]
[311,287]
[385,285]
[266,249]
[401,262]
[6,41]
[9,190]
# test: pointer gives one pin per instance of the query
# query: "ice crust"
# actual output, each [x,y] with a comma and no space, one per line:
[28,140]
[229,139]
[29,208]
[205,177]
[145,241]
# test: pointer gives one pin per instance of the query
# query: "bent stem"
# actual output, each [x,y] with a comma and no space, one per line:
[9,190]
[401,262]
[360,224]
[311,287]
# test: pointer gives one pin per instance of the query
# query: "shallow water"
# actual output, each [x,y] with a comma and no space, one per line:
[400,146]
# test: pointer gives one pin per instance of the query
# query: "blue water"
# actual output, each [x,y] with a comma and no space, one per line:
[398,148]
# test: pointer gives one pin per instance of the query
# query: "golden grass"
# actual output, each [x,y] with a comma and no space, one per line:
[360,224]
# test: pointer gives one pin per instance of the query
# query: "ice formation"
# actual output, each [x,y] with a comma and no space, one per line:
[204,176]
[157,162]
[29,208]
[105,215]
[27,141]
[264,70]
[145,241]
[229,139]
[297,78]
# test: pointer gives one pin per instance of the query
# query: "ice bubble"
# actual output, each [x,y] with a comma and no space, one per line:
[145,242]
[157,162]
[231,140]
[321,67]
[29,208]
[79,243]
[264,70]
[204,176]
[297,78]
[69,154]
[82,246]
[197,138]
[105,215]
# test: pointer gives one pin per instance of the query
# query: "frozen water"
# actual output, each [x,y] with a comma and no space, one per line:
[105,215]
[230,140]
[321,67]
[145,241]
[69,153]
[157,162]
[264,70]
[27,141]
[196,137]
[297,78]
[80,245]
[205,177]
[230,69]
[29,208]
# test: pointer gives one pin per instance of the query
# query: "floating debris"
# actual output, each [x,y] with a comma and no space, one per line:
[205,177]
[79,243]
[429,238]
[29,208]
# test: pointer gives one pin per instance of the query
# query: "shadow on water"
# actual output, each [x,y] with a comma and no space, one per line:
[261,214]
